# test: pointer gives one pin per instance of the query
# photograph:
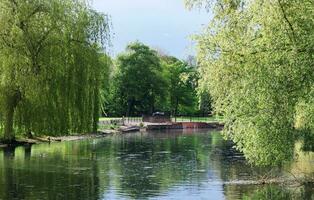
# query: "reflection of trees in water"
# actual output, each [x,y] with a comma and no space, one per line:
[26,176]
[276,192]
[135,166]
[148,167]
[144,171]
[232,165]
[9,187]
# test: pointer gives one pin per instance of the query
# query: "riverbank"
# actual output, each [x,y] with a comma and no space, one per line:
[48,139]
[107,130]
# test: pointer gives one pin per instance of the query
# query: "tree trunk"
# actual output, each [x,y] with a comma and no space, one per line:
[11,102]
[152,106]
[8,122]
[96,112]
[176,109]
[130,106]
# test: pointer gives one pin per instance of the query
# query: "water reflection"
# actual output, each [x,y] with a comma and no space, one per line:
[157,165]
[278,192]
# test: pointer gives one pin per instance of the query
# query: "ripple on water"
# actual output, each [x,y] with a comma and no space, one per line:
[173,166]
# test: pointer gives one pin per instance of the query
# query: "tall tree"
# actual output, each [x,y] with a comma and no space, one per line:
[138,81]
[50,69]
[257,62]
[181,81]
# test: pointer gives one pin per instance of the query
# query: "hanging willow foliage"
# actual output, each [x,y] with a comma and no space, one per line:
[51,66]
[257,60]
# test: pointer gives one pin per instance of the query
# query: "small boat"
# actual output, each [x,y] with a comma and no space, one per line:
[130,129]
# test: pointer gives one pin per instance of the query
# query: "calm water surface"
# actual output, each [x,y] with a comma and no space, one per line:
[159,165]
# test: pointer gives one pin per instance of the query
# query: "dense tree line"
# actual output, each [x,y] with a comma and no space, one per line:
[52,70]
[145,81]
[256,61]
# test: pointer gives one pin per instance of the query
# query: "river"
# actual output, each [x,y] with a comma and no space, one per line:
[157,165]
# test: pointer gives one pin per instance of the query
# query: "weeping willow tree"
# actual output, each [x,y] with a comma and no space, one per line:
[51,66]
[257,62]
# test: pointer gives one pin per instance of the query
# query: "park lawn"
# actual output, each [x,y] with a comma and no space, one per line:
[109,118]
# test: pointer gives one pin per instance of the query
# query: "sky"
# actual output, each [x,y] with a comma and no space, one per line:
[163,24]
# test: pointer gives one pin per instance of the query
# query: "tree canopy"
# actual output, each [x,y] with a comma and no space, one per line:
[51,69]
[137,82]
[146,81]
[181,85]
[257,60]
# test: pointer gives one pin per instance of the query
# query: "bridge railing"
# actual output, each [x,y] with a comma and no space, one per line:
[181,118]
[191,118]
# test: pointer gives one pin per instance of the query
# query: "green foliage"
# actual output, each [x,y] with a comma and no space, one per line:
[269,192]
[305,112]
[51,68]
[144,81]
[181,81]
[257,60]
[138,81]
[205,102]
[108,127]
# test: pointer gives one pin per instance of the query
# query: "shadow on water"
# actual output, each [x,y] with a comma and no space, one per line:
[155,165]
[38,176]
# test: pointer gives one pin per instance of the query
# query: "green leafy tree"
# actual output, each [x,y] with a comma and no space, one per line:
[181,80]
[105,92]
[205,103]
[256,60]
[50,67]
[138,82]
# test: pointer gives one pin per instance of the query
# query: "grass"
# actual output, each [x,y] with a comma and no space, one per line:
[109,118]
[108,127]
